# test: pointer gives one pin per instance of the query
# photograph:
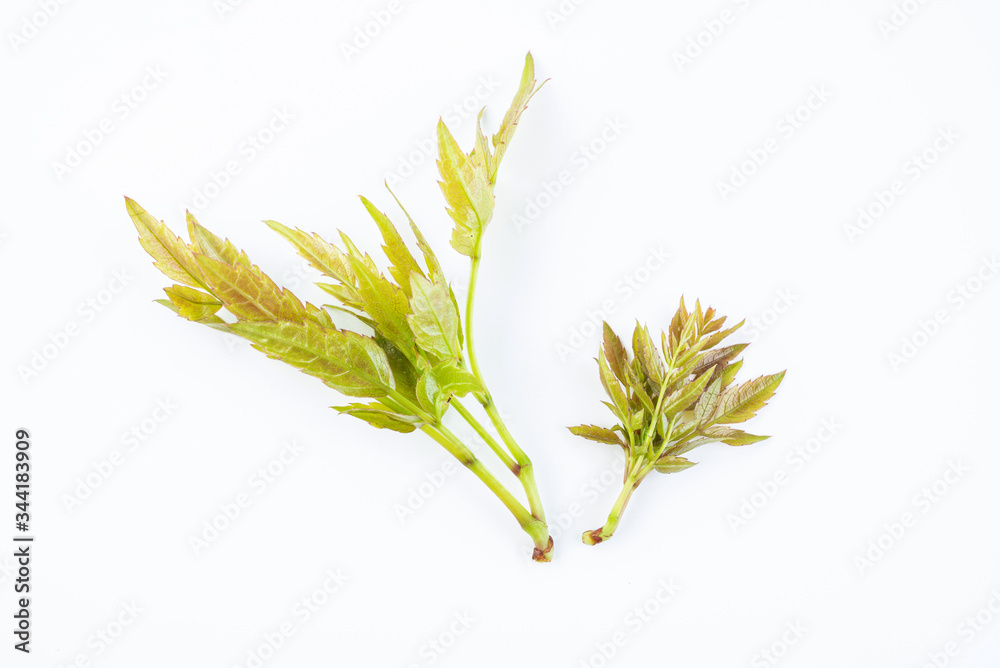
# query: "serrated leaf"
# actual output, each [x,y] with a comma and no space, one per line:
[403,371]
[719,336]
[731,436]
[728,374]
[351,363]
[467,193]
[456,379]
[387,306]
[686,394]
[380,416]
[647,354]
[206,243]
[322,255]
[429,394]
[720,356]
[612,388]
[434,317]
[170,254]
[742,403]
[599,434]
[525,90]
[401,261]
[213,321]
[192,304]
[672,464]
[617,356]
[708,401]
[249,293]
[430,259]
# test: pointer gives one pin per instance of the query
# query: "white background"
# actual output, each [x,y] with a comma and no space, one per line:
[848,297]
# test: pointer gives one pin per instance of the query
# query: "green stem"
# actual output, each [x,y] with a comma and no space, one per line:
[535,528]
[504,456]
[525,471]
[605,532]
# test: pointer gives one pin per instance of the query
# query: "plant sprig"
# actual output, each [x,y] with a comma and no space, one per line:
[419,360]
[669,404]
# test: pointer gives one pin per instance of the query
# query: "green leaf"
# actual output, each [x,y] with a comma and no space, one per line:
[350,363]
[456,379]
[467,193]
[403,370]
[672,464]
[742,403]
[731,436]
[386,304]
[720,356]
[708,401]
[505,133]
[322,255]
[192,304]
[380,416]
[599,434]
[206,243]
[617,356]
[647,354]
[719,336]
[170,254]
[686,394]
[213,321]
[400,259]
[612,388]
[434,317]
[429,394]
[430,259]
[729,373]
[249,293]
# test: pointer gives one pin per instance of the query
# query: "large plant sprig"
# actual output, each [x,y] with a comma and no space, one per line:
[418,362]
[668,405]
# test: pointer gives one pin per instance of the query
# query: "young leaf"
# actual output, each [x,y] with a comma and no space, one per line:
[386,304]
[249,293]
[720,356]
[351,363]
[742,403]
[599,434]
[434,317]
[213,321]
[647,354]
[467,193]
[708,401]
[731,436]
[617,356]
[192,304]
[322,255]
[170,255]
[672,464]
[206,243]
[400,258]
[456,379]
[430,259]
[380,416]
[429,394]
[505,133]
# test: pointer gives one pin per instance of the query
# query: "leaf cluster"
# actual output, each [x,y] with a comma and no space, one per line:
[673,395]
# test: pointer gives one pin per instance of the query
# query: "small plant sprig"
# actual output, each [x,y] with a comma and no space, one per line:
[668,405]
[418,361]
